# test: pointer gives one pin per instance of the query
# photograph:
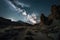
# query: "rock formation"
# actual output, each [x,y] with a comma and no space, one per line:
[51,24]
[55,14]
[43,19]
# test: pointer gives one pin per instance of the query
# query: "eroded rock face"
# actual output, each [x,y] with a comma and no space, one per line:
[43,19]
[55,14]
[52,28]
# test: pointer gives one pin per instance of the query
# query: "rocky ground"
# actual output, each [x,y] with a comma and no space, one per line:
[31,33]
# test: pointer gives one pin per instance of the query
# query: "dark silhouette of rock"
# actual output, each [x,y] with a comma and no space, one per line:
[6,22]
[55,12]
[52,27]
[45,20]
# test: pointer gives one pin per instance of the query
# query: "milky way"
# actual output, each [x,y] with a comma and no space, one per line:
[24,9]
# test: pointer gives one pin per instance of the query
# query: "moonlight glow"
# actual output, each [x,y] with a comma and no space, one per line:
[12,19]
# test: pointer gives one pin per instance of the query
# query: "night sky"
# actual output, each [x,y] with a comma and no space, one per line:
[27,7]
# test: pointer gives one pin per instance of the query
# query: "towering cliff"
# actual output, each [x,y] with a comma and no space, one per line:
[55,14]
[51,24]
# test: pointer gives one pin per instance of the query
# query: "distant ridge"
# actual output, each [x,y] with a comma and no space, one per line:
[4,21]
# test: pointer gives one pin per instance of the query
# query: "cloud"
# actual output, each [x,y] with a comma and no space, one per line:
[17,3]
[10,3]
[19,10]
[22,4]
[24,13]
[12,19]
[34,15]
[18,6]
[30,18]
